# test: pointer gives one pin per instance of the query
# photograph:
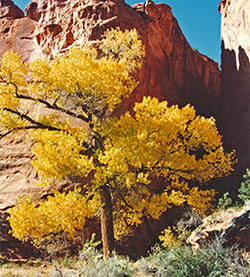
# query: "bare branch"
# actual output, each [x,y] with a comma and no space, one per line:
[36,124]
[6,134]
[27,128]
[54,106]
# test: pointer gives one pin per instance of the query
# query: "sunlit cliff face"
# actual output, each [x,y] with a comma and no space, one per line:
[235,26]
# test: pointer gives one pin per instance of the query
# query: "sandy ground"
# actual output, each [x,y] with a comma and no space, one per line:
[48,271]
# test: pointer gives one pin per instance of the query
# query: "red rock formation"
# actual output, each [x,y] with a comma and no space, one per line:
[232,226]
[17,32]
[9,9]
[171,70]
[234,117]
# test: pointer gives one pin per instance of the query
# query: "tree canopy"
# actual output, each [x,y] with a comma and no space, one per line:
[139,164]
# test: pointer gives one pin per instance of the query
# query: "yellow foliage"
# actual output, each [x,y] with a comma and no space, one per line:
[63,212]
[58,153]
[78,136]
[166,140]
[162,141]
[168,239]
[123,46]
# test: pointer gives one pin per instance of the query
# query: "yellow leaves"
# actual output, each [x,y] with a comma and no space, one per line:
[176,197]
[58,153]
[158,203]
[168,137]
[9,121]
[21,224]
[87,76]
[162,141]
[168,238]
[200,200]
[80,77]
[13,70]
[63,212]
[143,178]
[79,90]
[125,47]
[103,78]
[41,83]
[13,74]
[130,179]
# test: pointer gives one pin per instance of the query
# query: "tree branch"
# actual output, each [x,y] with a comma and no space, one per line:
[53,106]
[36,124]
[6,134]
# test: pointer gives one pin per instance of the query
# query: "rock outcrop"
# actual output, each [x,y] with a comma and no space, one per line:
[171,71]
[17,176]
[9,10]
[234,117]
[17,31]
[233,227]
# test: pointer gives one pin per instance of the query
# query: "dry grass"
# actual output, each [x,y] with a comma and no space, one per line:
[25,272]
[41,270]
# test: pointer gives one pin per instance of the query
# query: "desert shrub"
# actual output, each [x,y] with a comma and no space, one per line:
[190,220]
[244,190]
[210,261]
[243,194]
[225,201]
[115,266]
[93,265]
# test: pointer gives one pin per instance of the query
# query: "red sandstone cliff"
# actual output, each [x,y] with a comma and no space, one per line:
[234,116]
[171,71]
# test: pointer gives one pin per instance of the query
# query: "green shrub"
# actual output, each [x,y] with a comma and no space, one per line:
[212,260]
[66,261]
[225,201]
[244,191]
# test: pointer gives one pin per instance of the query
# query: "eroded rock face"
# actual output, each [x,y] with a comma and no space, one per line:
[17,32]
[172,70]
[17,176]
[9,9]
[234,117]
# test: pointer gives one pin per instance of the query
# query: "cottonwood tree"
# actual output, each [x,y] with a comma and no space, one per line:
[137,165]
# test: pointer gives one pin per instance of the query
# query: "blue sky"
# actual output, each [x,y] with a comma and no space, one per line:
[198,19]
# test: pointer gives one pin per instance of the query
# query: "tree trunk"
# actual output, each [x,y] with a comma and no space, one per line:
[107,222]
